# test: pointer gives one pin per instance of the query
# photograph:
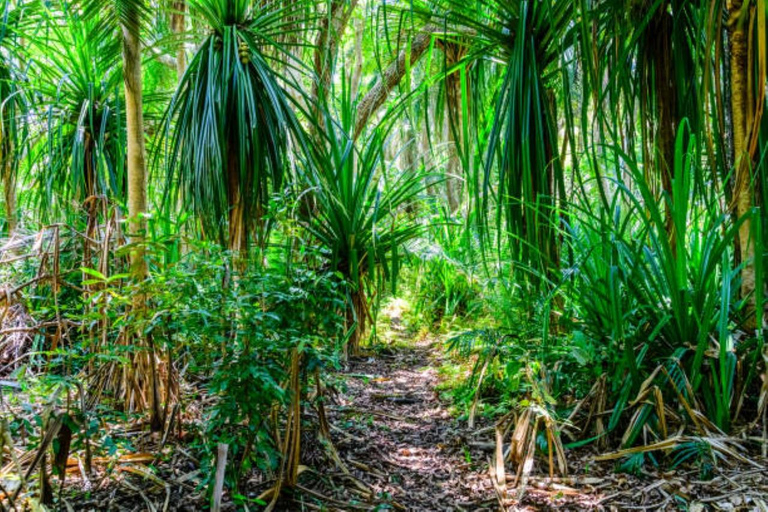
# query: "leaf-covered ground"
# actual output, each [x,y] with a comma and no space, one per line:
[400,440]
[404,443]
[398,447]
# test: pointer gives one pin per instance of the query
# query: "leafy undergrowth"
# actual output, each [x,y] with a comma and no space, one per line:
[399,446]
[403,436]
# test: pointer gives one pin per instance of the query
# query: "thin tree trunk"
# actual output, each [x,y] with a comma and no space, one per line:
[661,27]
[238,242]
[426,153]
[357,312]
[409,157]
[178,25]
[451,166]
[9,191]
[332,27]
[742,194]
[454,95]
[136,153]
[137,193]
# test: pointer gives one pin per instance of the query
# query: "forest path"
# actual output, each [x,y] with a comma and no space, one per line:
[392,421]
[398,437]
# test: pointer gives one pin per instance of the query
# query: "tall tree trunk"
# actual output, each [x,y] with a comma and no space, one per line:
[178,25]
[738,29]
[136,153]
[332,27]
[660,33]
[238,242]
[9,189]
[425,150]
[451,166]
[454,95]
[409,156]
[137,204]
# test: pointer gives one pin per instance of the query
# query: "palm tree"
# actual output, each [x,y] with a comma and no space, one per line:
[747,84]
[231,124]
[635,54]
[457,86]
[127,17]
[79,85]
[358,217]
[13,129]
[131,12]
[523,41]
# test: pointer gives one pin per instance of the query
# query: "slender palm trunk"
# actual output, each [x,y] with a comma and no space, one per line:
[9,191]
[137,176]
[137,203]
[178,25]
[451,167]
[238,242]
[666,107]
[358,312]
[454,95]
[742,191]
[408,157]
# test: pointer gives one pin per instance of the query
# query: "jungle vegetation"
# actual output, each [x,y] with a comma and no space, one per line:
[214,198]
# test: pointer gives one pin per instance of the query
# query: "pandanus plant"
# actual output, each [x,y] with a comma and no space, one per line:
[13,107]
[358,215]
[521,42]
[79,82]
[231,124]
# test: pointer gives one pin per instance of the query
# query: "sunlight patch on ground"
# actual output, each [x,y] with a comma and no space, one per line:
[395,308]
[390,326]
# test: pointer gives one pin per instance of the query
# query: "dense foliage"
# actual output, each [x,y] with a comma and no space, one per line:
[572,194]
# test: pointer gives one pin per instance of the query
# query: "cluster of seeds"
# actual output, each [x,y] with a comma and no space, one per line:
[244,54]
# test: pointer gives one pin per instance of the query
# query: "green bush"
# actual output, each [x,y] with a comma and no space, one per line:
[238,339]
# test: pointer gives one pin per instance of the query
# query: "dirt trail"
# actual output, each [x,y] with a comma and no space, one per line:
[400,448]
[400,439]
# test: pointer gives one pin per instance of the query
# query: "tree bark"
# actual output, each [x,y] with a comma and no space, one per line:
[391,76]
[9,190]
[454,53]
[451,166]
[356,312]
[238,242]
[136,153]
[738,23]
[667,121]
[178,26]
[332,27]
[137,199]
